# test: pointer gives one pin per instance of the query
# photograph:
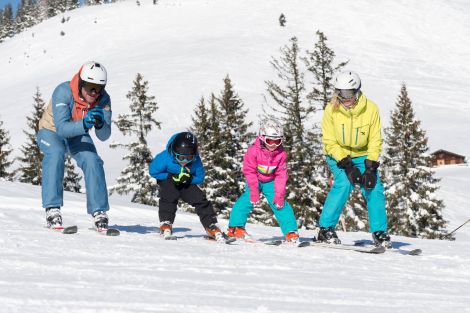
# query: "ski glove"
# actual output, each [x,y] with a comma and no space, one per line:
[353,173]
[95,118]
[278,202]
[369,178]
[182,179]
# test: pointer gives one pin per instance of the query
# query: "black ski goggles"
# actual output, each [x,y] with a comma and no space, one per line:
[346,94]
[91,88]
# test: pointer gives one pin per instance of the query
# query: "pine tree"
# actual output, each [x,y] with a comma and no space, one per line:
[414,208]
[5,151]
[135,177]
[320,63]
[31,170]
[305,188]
[7,26]
[234,140]
[201,127]
[71,178]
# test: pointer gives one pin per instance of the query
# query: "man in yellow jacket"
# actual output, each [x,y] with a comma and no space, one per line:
[352,142]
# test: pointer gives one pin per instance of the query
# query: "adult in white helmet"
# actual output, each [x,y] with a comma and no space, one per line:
[76,107]
[352,142]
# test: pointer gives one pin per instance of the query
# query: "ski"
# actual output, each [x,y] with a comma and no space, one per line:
[226,240]
[372,250]
[168,237]
[65,230]
[413,252]
[273,242]
[107,231]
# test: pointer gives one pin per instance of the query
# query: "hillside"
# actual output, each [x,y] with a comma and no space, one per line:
[185,49]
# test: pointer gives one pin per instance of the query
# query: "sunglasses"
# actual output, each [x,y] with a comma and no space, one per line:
[184,158]
[346,94]
[91,88]
[273,141]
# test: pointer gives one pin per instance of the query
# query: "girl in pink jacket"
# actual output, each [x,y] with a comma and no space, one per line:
[265,170]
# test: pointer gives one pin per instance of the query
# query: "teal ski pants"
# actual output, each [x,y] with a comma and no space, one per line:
[339,194]
[243,207]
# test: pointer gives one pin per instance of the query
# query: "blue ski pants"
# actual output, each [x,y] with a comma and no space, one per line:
[339,194]
[82,149]
[243,207]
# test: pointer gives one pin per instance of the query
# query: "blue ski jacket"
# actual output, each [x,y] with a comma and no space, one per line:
[165,164]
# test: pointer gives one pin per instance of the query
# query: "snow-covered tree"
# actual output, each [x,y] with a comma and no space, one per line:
[31,168]
[320,63]
[5,151]
[414,209]
[71,178]
[135,178]
[306,186]
[7,23]
[234,140]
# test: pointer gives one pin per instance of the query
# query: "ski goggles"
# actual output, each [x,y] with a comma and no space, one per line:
[273,141]
[346,94]
[91,88]
[184,158]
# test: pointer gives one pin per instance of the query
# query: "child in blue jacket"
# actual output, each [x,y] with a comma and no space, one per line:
[178,170]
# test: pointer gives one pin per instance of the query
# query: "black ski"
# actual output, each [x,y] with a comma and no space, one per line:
[372,250]
[107,231]
[66,230]
[413,252]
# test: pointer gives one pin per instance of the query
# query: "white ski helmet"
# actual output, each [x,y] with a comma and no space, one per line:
[93,72]
[270,129]
[347,80]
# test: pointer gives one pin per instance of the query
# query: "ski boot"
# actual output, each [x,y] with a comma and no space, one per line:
[214,232]
[328,235]
[53,218]
[100,220]
[237,232]
[381,238]
[292,236]
[166,230]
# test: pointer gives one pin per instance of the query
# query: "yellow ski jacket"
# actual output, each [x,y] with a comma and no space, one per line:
[355,131]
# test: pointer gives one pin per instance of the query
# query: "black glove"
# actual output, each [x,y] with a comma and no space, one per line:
[354,175]
[369,178]
[181,179]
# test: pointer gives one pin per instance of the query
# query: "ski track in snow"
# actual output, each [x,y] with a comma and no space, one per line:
[44,271]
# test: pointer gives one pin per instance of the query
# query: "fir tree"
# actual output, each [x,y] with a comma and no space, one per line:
[31,154]
[355,216]
[305,188]
[414,208]
[201,127]
[282,20]
[320,63]
[5,151]
[135,177]
[7,26]
[234,140]
[72,178]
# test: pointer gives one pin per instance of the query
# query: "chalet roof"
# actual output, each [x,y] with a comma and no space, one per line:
[448,153]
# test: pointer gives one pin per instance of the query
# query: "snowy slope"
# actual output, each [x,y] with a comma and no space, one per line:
[43,271]
[184,48]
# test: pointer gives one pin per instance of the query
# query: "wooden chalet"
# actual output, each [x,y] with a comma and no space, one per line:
[443,157]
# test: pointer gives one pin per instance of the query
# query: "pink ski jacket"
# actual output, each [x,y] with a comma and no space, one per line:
[262,165]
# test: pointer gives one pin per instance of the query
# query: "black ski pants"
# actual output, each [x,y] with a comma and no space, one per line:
[191,194]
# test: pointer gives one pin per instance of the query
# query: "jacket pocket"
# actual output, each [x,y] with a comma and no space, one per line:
[361,136]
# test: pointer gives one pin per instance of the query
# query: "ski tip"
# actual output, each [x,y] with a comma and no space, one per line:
[112,232]
[415,252]
[377,250]
[70,230]
[303,244]
[273,243]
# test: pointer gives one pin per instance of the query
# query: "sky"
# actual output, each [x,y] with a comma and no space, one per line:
[14,3]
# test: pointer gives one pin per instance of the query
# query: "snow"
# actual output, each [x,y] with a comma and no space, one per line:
[185,49]
[44,271]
